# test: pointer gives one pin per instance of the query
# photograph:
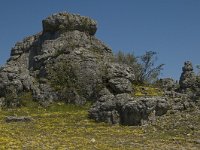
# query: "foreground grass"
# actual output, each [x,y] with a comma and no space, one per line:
[67,127]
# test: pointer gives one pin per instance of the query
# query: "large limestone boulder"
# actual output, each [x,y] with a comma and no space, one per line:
[63,62]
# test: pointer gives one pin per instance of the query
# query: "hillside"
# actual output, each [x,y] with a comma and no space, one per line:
[65,89]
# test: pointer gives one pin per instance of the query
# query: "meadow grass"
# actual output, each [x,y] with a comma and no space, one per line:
[65,126]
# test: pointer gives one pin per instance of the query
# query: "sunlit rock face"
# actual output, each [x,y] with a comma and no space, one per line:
[67,41]
[69,22]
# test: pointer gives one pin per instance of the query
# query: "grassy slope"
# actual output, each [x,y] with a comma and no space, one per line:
[67,127]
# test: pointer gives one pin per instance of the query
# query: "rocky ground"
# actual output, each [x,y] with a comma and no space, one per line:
[64,126]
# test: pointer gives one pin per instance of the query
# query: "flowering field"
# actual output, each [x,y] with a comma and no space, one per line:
[62,126]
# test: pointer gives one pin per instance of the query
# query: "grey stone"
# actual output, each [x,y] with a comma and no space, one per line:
[168,84]
[130,111]
[65,38]
[18,119]
[162,107]
[139,111]
[120,85]
[69,22]
[122,99]
[188,78]
[115,70]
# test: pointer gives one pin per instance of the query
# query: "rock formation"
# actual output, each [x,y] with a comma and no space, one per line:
[167,84]
[66,47]
[188,78]
[122,108]
[66,62]
[116,105]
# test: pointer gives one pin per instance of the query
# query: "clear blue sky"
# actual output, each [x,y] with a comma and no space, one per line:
[169,27]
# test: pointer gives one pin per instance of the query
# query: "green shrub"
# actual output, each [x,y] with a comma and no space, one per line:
[26,100]
[143,66]
[63,79]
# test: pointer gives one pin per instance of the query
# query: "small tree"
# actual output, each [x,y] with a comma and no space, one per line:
[148,72]
[143,66]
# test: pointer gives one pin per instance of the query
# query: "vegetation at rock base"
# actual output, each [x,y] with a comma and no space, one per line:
[144,66]
[62,126]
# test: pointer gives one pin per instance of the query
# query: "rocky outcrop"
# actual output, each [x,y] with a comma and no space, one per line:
[126,110]
[116,105]
[188,77]
[168,84]
[66,62]
[141,110]
[67,41]
[117,89]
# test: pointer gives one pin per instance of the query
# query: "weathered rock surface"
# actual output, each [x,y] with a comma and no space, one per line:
[116,105]
[69,22]
[139,111]
[168,84]
[120,85]
[66,39]
[126,110]
[188,77]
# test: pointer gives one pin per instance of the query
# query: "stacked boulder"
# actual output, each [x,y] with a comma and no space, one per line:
[188,77]
[114,95]
[184,95]
[116,104]
[189,83]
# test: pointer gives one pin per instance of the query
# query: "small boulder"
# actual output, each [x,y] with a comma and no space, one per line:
[18,119]
[137,111]
[120,85]
[115,70]
[162,107]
